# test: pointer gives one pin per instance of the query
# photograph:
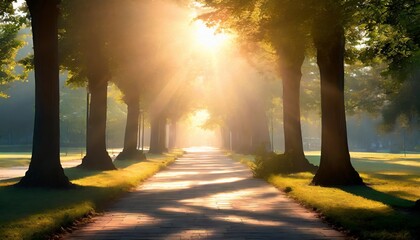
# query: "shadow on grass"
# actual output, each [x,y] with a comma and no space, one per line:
[76,173]
[206,208]
[126,163]
[19,203]
[33,213]
[377,224]
[372,194]
[374,165]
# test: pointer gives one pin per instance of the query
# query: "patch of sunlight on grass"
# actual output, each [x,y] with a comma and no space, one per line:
[22,159]
[374,162]
[384,156]
[376,211]
[35,213]
[402,185]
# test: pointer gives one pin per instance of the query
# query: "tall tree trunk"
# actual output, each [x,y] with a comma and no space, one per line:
[241,129]
[246,140]
[45,169]
[130,151]
[260,134]
[172,134]
[162,134]
[97,157]
[335,167]
[236,139]
[292,55]
[154,135]
[225,137]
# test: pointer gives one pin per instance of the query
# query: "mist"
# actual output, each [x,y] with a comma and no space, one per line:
[181,68]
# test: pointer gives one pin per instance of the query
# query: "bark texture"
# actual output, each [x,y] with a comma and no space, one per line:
[97,157]
[335,167]
[130,151]
[292,57]
[45,169]
[158,134]
[260,138]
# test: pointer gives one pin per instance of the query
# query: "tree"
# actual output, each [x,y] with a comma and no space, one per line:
[45,169]
[97,158]
[276,24]
[330,55]
[91,65]
[393,39]
[131,90]
[271,17]
[290,47]
[335,167]
[130,150]
[237,103]
[133,64]
[10,24]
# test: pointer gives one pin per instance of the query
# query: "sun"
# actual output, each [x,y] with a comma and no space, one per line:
[208,38]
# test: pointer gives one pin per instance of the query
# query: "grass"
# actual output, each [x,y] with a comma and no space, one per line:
[19,156]
[373,162]
[379,210]
[37,213]
[17,159]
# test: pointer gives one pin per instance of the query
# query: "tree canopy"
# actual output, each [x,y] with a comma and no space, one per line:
[10,24]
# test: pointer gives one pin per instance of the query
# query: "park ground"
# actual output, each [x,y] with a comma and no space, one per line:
[380,210]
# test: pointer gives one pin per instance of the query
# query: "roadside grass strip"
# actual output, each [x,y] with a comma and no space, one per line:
[38,213]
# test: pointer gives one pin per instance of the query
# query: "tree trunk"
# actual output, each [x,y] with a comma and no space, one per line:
[335,167]
[293,56]
[172,134]
[130,151]
[97,158]
[260,139]
[155,125]
[225,137]
[45,169]
[235,135]
[261,135]
[162,134]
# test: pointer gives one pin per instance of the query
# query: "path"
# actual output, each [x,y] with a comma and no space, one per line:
[205,195]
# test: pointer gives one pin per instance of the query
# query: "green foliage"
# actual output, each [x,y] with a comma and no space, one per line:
[6,10]
[364,88]
[392,35]
[10,24]
[267,164]
[76,41]
[382,45]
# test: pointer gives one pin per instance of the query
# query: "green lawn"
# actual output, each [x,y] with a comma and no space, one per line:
[379,210]
[35,213]
[18,158]
[15,159]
